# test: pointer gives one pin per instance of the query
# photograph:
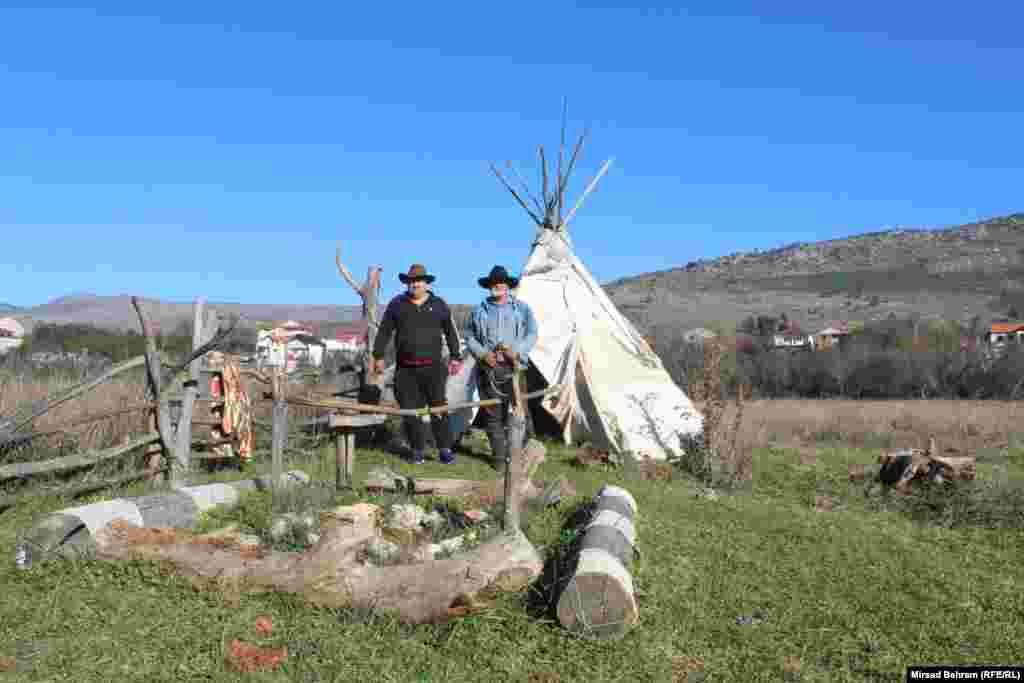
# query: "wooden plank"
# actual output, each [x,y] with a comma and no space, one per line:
[343,421]
[346,405]
[19,470]
[438,487]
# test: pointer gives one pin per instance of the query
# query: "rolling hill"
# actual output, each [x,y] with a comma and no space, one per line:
[954,273]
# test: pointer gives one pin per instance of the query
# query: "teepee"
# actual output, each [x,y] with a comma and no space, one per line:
[616,391]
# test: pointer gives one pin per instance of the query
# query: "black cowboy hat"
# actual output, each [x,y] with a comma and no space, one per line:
[417,271]
[498,275]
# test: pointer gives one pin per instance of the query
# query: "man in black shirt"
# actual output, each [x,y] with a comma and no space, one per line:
[418,319]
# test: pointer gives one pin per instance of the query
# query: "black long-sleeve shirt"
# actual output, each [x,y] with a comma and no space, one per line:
[418,331]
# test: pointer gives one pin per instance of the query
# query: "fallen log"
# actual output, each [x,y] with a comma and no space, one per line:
[901,468]
[335,572]
[332,573]
[71,532]
[599,601]
[523,469]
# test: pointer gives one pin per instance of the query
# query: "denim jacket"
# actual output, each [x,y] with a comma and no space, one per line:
[512,324]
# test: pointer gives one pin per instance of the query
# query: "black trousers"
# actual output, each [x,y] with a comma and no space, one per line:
[419,387]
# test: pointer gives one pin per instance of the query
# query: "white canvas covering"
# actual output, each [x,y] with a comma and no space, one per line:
[619,394]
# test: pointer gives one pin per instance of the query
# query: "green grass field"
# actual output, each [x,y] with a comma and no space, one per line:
[853,594]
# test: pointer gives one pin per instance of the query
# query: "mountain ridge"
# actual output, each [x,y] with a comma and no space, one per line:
[956,273]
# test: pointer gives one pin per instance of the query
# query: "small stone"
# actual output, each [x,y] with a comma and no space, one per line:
[824,503]
[476,515]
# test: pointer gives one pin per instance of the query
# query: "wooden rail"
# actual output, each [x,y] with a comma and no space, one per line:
[344,405]
[21,470]
[170,438]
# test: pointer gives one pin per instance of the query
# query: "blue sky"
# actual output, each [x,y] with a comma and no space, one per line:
[224,149]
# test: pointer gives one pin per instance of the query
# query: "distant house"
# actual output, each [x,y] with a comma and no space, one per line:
[12,334]
[350,337]
[1002,334]
[792,337]
[288,345]
[698,335]
[831,336]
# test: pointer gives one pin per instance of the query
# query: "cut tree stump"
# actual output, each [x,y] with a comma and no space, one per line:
[599,601]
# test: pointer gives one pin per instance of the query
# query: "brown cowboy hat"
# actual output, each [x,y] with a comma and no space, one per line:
[417,271]
[498,275]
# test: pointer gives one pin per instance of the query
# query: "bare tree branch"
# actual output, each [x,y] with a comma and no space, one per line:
[345,274]
[217,341]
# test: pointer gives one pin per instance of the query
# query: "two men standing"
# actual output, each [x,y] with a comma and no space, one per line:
[500,332]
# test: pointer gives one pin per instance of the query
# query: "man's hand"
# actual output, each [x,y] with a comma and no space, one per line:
[454,367]
[490,359]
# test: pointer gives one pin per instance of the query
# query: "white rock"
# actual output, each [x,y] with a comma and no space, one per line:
[450,545]
[406,516]
[435,520]
[381,551]
[280,528]
[248,540]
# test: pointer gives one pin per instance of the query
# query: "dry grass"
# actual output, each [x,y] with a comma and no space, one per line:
[107,397]
[961,425]
[724,456]
[111,396]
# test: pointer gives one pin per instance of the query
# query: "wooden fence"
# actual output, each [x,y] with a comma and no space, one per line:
[167,446]
[169,443]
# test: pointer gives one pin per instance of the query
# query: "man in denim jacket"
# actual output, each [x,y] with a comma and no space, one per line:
[500,328]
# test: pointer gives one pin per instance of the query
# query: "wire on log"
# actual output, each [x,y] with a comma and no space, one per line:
[599,600]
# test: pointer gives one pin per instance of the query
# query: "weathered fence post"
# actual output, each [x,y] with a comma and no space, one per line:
[280,429]
[183,436]
[162,415]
